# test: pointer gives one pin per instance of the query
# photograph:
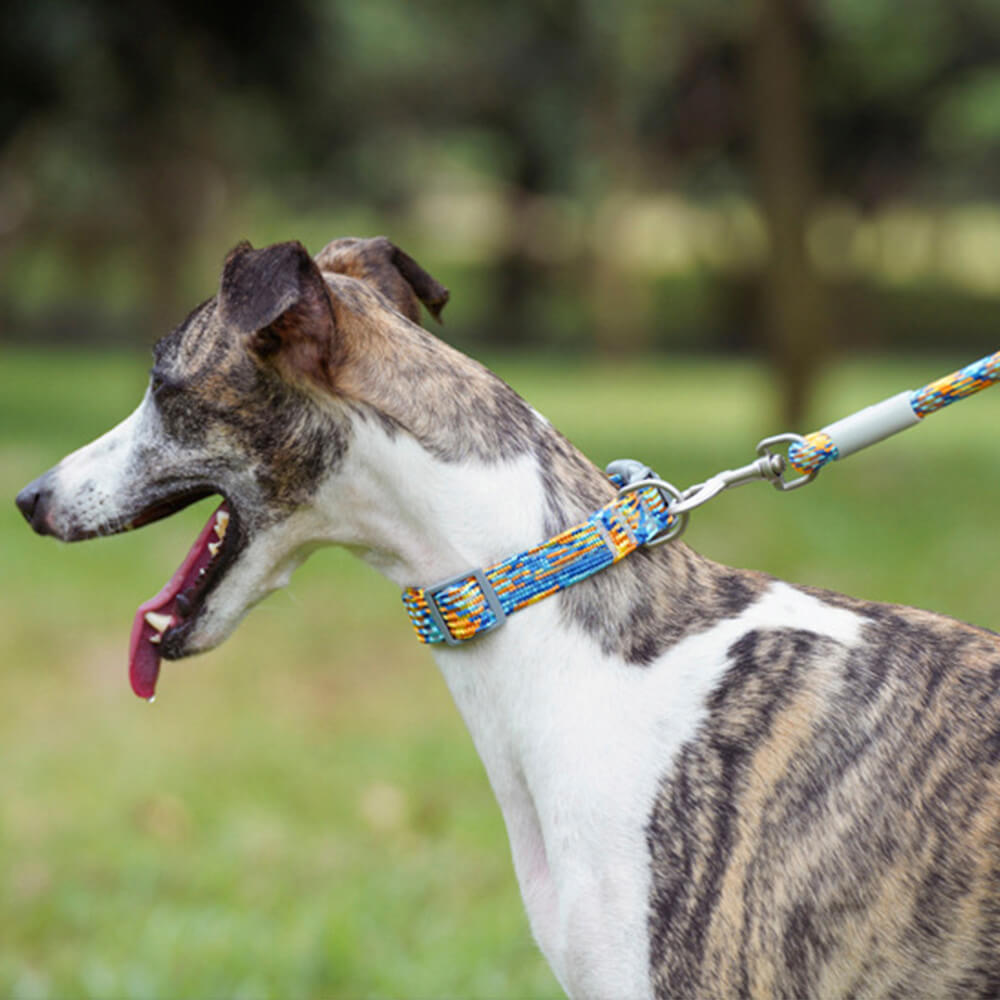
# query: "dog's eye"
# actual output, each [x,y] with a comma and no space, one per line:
[160,386]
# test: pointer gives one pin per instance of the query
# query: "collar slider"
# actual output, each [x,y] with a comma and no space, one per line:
[437,614]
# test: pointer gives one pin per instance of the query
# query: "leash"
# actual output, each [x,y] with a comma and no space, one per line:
[649,511]
[808,453]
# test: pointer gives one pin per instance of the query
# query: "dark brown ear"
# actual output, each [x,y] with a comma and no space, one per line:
[394,273]
[278,300]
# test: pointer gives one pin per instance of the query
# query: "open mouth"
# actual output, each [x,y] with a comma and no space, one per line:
[161,622]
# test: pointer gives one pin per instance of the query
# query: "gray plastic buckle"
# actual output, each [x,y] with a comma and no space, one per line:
[492,602]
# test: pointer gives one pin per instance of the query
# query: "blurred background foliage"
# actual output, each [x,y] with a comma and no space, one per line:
[722,210]
[786,177]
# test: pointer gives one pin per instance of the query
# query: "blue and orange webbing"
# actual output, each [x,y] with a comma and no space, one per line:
[617,529]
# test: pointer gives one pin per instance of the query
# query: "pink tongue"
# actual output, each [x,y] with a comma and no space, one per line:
[143,655]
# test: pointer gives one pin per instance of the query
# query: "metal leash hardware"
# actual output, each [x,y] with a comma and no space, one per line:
[808,454]
[791,440]
[633,476]
[769,467]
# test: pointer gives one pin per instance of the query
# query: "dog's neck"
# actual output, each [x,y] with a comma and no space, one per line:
[427,505]
[423,504]
[419,518]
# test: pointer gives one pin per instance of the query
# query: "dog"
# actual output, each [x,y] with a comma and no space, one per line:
[715,784]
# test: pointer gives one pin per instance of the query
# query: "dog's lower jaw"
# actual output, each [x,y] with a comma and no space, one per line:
[251,578]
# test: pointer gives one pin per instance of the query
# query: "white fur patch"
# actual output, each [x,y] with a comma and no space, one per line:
[418,519]
[576,745]
[88,484]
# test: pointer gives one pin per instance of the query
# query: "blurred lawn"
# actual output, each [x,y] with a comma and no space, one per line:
[301,813]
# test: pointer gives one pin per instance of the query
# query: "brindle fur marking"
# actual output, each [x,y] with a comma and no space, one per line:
[202,377]
[833,804]
[476,415]
[396,367]
[381,264]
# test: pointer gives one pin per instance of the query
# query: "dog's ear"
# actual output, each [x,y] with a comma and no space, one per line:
[394,273]
[277,299]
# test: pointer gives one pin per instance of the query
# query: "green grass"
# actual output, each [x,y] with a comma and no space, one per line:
[301,813]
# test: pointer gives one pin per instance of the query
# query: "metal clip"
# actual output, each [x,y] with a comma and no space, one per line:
[778,482]
[674,495]
[769,467]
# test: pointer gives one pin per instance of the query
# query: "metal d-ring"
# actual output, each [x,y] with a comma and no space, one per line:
[764,449]
[675,496]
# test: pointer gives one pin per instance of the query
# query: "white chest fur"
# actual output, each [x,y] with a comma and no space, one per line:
[575,744]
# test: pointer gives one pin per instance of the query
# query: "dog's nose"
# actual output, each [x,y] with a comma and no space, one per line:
[32,502]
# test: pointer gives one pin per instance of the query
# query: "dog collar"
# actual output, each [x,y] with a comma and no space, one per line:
[478,601]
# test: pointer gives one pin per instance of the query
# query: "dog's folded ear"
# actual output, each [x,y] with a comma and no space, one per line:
[384,266]
[278,300]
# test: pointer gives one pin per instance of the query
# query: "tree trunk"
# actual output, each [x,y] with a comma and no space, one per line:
[793,297]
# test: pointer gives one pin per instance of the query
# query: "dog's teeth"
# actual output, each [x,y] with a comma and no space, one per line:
[160,622]
[213,547]
[221,523]
[201,572]
[156,638]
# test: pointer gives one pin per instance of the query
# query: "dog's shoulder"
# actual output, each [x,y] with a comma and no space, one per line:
[844,795]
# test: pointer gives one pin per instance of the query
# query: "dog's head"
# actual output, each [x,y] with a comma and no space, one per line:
[253,398]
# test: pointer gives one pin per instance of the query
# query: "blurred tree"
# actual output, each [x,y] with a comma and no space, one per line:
[127,127]
[804,99]
[794,307]
[119,119]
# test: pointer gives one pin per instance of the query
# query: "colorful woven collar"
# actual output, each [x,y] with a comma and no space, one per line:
[478,601]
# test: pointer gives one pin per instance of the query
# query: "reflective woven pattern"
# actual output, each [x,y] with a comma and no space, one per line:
[576,553]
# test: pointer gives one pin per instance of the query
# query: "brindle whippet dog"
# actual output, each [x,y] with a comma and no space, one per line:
[715,784]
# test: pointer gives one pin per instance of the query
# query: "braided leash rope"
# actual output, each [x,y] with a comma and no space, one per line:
[891,415]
